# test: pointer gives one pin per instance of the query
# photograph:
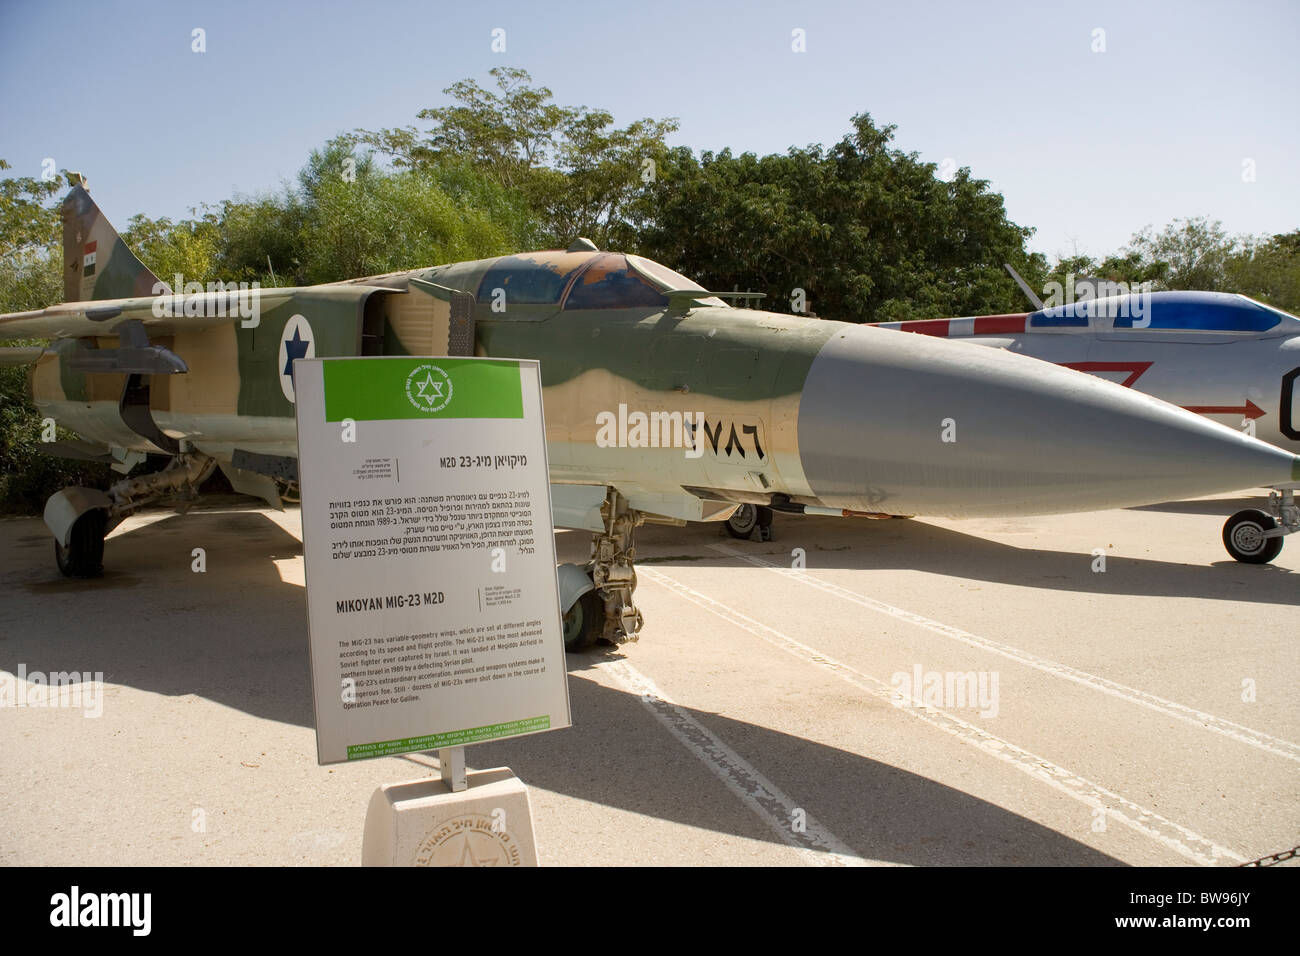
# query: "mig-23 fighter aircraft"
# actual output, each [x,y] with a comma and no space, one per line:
[662,403]
[1223,356]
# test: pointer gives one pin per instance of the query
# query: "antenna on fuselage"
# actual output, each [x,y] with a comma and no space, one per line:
[1024,287]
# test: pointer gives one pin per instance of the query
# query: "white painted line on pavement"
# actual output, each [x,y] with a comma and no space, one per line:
[1189,715]
[814,843]
[1150,824]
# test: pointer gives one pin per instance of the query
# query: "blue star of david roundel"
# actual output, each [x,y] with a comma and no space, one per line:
[297,342]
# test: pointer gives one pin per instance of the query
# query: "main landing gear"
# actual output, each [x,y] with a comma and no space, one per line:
[604,609]
[83,554]
[1255,537]
[80,518]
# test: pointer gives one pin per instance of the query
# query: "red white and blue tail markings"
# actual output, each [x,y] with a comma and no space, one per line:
[1012,324]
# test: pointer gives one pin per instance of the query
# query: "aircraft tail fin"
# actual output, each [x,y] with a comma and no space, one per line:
[96,262]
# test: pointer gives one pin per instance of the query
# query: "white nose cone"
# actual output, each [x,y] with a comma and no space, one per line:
[907,424]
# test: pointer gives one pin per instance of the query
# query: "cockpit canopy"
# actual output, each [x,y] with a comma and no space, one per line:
[1166,311]
[571,281]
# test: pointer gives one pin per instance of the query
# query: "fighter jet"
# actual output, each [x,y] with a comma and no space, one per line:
[662,403]
[1226,357]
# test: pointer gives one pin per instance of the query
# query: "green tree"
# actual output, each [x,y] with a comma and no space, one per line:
[260,239]
[31,256]
[868,232]
[1187,254]
[188,248]
[1268,270]
[1197,254]
[1126,266]
[572,167]
[358,219]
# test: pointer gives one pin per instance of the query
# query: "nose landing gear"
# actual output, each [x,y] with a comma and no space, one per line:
[749,519]
[1255,537]
[605,610]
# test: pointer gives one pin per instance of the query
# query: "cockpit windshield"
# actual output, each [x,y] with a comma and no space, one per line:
[579,280]
[1165,312]
[668,280]
[533,278]
[1200,312]
[608,283]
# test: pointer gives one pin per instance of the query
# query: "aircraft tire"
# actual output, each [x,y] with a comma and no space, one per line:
[84,555]
[584,622]
[745,519]
[1241,537]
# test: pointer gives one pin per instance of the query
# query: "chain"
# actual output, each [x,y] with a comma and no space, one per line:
[1275,858]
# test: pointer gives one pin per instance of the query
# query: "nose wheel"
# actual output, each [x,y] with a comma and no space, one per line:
[1255,537]
[749,519]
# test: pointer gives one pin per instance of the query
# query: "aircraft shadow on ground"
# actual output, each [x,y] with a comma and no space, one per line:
[847,544]
[880,811]
[235,633]
[239,639]
[1224,507]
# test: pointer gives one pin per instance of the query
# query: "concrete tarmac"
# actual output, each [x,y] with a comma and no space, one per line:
[1138,715]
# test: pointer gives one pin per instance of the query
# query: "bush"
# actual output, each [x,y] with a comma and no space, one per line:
[27,475]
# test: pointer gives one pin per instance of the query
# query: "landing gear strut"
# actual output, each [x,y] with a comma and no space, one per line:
[1255,537]
[612,554]
[606,612]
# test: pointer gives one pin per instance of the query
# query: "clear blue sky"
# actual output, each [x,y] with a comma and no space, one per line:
[1086,147]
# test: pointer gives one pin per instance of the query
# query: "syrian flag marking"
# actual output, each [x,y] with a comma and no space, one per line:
[88,260]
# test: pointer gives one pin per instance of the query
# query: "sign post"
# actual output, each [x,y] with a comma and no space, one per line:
[451,764]
[430,563]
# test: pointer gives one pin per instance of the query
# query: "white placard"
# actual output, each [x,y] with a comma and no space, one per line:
[432,599]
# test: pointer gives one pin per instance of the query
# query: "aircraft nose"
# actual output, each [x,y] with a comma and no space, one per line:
[906,424]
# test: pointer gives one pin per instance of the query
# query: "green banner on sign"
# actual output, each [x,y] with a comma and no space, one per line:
[387,389]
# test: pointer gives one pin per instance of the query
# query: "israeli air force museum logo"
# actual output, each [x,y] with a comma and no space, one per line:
[297,342]
[428,388]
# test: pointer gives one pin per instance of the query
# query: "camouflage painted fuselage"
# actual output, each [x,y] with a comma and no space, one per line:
[739,371]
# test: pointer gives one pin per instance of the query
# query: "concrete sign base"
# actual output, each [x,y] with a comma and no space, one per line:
[423,823]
